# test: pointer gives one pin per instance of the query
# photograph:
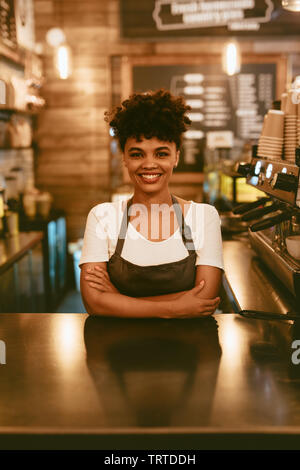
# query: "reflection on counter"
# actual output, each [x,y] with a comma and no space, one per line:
[176,358]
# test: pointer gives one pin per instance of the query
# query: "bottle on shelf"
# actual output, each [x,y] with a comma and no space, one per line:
[2,214]
[13,206]
[12,194]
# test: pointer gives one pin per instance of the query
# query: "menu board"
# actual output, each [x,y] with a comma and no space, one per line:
[218,102]
[185,18]
[8,34]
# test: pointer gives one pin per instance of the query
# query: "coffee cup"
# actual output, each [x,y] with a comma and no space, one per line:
[291,103]
[274,124]
[283,102]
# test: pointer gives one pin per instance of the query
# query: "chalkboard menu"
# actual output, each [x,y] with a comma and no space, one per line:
[218,102]
[154,19]
[8,34]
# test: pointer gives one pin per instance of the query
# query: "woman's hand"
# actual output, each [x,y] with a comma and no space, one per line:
[190,305]
[98,278]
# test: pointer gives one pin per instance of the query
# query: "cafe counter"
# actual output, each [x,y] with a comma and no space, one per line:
[71,381]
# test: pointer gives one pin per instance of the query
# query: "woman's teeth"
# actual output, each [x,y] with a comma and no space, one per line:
[149,177]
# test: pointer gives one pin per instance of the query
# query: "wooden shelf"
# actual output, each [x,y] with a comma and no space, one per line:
[17,56]
[2,149]
[28,112]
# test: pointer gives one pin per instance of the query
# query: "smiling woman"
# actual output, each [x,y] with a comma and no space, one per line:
[156,247]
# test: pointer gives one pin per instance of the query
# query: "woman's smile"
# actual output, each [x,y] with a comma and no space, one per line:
[150,178]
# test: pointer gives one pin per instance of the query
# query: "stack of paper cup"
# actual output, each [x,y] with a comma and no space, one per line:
[283,101]
[290,128]
[270,144]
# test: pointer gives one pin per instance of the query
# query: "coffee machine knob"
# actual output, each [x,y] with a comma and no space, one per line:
[244,169]
[284,181]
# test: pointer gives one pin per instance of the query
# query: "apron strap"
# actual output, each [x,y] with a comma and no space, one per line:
[123,229]
[184,229]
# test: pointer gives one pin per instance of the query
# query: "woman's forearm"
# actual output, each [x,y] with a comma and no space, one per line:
[164,297]
[118,305]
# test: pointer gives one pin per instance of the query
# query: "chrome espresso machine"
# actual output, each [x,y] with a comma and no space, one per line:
[274,231]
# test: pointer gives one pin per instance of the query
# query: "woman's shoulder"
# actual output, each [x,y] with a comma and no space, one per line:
[206,208]
[107,209]
[191,201]
[106,217]
[192,208]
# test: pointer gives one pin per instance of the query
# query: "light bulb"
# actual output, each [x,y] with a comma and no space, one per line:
[291,5]
[231,58]
[55,37]
[62,61]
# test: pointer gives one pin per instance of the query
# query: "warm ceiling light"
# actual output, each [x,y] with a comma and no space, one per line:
[231,58]
[62,61]
[291,5]
[55,37]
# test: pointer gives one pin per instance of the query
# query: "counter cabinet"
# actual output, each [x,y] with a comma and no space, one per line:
[22,286]
[54,244]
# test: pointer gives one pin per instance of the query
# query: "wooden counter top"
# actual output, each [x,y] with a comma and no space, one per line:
[73,381]
[13,248]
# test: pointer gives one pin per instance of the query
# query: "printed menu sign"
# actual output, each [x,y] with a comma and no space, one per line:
[173,18]
[235,14]
[218,102]
[7,23]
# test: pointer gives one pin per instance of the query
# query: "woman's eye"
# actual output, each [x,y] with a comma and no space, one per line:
[163,154]
[136,154]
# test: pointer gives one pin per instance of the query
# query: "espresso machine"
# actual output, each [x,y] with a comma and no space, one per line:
[274,219]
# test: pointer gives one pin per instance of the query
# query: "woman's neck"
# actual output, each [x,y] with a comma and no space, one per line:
[153,198]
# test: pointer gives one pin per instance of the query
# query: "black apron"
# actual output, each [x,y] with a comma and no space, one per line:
[145,281]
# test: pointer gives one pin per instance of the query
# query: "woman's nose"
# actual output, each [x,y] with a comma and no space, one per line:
[149,162]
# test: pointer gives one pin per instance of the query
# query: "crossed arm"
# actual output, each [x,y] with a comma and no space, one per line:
[100,296]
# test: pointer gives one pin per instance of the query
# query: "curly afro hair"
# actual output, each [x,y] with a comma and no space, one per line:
[152,114]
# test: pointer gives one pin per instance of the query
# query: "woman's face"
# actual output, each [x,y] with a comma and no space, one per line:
[150,162]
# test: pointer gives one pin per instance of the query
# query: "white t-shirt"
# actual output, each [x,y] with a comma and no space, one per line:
[103,227]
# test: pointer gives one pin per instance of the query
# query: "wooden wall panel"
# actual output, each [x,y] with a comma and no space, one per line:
[66,120]
[71,136]
[74,99]
[70,142]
